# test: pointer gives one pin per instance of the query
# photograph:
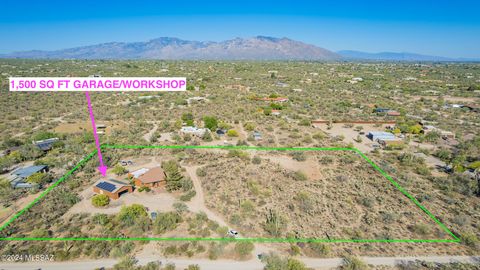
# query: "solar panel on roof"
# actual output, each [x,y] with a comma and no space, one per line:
[106,186]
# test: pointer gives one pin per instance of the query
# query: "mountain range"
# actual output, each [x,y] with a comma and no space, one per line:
[394,56]
[255,48]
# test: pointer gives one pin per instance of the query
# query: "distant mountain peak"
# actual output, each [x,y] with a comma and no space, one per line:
[267,38]
[255,48]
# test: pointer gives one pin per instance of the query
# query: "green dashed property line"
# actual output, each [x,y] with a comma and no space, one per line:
[252,239]
[413,199]
[267,240]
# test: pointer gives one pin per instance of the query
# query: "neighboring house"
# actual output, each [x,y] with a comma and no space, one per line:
[257,135]
[275,112]
[18,178]
[277,99]
[447,134]
[355,80]
[282,84]
[152,178]
[45,145]
[197,99]
[382,110]
[443,133]
[380,135]
[112,188]
[199,132]
[393,113]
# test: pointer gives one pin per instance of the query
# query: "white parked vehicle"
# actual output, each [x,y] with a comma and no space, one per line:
[232,233]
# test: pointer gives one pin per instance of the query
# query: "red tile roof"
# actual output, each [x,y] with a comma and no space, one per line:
[153,175]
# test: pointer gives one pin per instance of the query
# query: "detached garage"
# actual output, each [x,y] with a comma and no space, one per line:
[112,188]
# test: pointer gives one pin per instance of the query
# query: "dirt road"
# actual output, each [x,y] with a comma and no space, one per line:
[148,136]
[253,264]
[197,204]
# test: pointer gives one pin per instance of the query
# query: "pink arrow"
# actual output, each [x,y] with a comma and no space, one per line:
[102,168]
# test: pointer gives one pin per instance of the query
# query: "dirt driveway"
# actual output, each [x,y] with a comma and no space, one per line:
[350,135]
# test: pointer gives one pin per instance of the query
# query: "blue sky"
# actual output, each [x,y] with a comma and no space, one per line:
[444,28]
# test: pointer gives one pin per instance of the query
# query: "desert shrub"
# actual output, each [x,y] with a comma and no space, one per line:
[250,126]
[325,160]
[470,240]
[201,172]
[367,202]
[232,133]
[188,196]
[274,223]
[207,136]
[408,159]
[43,135]
[243,249]
[238,153]
[100,200]
[193,267]
[247,207]
[293,264]
[422,229]
[119,170]
[180,207]
[215,250]
[39,178]
[38,233]
[186,184]
[299,156]
[144,188]
[305,201]
[170,250]
[388,217]
[319,249]
[166,222]
[210,122]
[267,110]
[295,250]
[254,187]
[319,136]
[461,219]
[353,263]
[422,169]
[299,176]
[305,122]
[127,263]
[123,250]
[242,143]
[101,219]
[236,219]
[128,214]
[256,160]
[274,262]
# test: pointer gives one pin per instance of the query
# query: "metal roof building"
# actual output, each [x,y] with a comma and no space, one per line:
[380,135]
[28,171]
